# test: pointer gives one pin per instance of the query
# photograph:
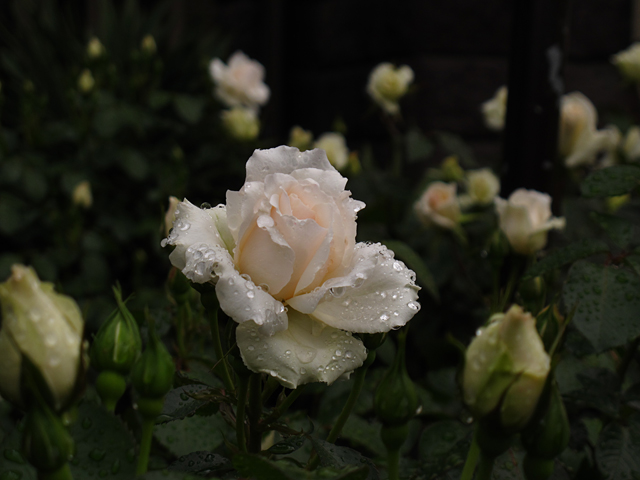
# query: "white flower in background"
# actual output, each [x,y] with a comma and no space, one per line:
[526,219]
[170,215]
[579,142]
[148,44]
[81,195]
[241,123]
[300,138]
[388,84]
[283,257]
[240,83]
[439,204]
[95,48]
[335,146]
[631,144]
[483,186]
[42,325]
[612,138]
[628,62]
[506,367]
[494,110]
[86,81]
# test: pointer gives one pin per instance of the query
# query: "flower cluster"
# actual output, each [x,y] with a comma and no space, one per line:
[283,257]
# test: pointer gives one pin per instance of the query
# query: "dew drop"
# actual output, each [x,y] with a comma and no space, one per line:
[360,278]
[303,371]
[250,294]
[304,354]
[384,317]
[338,353]
[413,306]
[251,348]
[337,291]
[397,266]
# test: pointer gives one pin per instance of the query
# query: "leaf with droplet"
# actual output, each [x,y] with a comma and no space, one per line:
[409,256]
[620,230]
[288,445]
[608,303]
[194,434]
[612,181]
[203,463]
[12,463]
[444,445]
[179,403]
[331,455]
[563,256]
[104,445]
[617,450]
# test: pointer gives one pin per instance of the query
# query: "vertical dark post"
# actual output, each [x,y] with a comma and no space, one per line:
[539,32]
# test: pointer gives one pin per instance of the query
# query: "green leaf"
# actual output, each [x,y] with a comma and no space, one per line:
[179,403]
[288,445]
[12,464]
[259,468]
[612,181]
[620,230]
[565,255]
[134,164]
[417,145]
[608,303]
[408,255]
[202,463]
[168,475]
[194,434]
[331,455]
[189,108]
[364,433]
[444,445]
[617,450]
[104,446]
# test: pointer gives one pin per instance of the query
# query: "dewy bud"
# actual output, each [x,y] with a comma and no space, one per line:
[152,375]
[44,326]
[396,400]
[506,368]
[117,344]
[46,442]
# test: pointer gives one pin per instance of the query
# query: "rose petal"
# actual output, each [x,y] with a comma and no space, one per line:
[377,295]
[193,226]
[303,353]
[285,159]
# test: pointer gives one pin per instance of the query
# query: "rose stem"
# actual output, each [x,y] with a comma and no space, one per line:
[243,390]
[472,460]
[485,467]
[255,412]
[145,445]
[284,406]
[393,464]
[358,383]
[217,346]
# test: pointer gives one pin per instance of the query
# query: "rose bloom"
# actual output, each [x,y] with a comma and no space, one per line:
[631,144]
[283,257]
[628,62]
[43,325]
[241,123]
[506,367]
[526,219]
[240,83]
[439,204]
[388,84]
[579,141]
[335,146]
[482,186]
[494,110]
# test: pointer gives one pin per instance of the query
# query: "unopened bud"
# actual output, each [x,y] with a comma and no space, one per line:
[451,169]
[95,48]
[86,81]
[300,138]
[148,45]
[241,123]
[152,375]
[46,442]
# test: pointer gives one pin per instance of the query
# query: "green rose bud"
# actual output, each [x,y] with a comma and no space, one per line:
[117,344]
[505,369]
[241,123]
[152,375]
[44,326]
[46,442]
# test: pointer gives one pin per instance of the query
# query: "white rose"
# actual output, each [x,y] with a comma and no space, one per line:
[482,186]
[494,110]
[42,325]
[95,48]
[170,214]
[240,82]
[388,84]
[526,218]
[335,146]
[631,144]
[579,142]
[86,81]
[439,204]
[286,267]
[506,367]
[628,62]
[241,123]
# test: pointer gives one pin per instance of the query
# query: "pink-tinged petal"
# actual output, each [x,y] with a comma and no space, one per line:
[305,352]
[284,159]
[244,207]
[377,295]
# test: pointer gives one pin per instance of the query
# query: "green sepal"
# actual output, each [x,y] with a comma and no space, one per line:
[179,286]
[152,374]
[110,386]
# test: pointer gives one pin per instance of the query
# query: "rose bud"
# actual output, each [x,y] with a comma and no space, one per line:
[388,84]
[482,186]
[505,369]
[44,326]
[494,110]
[241,123]
[439,204]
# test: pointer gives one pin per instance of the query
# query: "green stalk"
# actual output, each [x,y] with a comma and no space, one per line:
[485,467]
[243,391]
[63,473]
[255,412]
[393,464]
[217,346]
[284,406]
[472,460]
[145,445]
[358,383]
